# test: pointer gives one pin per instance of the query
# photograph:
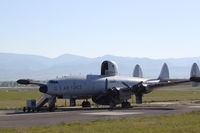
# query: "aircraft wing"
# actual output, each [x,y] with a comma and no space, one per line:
[43,87]
[194,77]
[148,87]
[162,81]
[29,81]
[171,82]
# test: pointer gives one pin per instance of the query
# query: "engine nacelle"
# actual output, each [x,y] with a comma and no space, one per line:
[109,68]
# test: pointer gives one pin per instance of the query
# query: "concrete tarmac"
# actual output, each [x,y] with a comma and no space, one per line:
[15,119]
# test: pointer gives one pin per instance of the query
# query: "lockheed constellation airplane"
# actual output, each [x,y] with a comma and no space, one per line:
[107,88]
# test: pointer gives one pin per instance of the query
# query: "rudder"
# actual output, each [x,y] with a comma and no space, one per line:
[195,75]
[138,72]
[164,74]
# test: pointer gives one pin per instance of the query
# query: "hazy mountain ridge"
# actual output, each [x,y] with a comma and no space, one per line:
[15,66]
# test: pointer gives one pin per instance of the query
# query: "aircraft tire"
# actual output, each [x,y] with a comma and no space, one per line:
[24,109]
[112,105]
[86,104]
[37,110]
[126,105]
[83,104]
[29,109]
[51,109]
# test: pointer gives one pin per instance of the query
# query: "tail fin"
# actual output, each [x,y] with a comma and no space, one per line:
[138,72]
[195,75]
[195,71]
[164,74]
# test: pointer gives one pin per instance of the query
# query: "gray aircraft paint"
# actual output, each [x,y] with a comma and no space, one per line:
[103,88]
[88,85]
[138,71]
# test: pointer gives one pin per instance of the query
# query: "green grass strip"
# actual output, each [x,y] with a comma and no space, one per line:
[177,123]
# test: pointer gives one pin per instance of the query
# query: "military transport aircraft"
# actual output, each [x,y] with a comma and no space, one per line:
[107,88]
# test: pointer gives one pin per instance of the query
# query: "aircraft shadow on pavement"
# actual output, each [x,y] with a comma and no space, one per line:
[95,109]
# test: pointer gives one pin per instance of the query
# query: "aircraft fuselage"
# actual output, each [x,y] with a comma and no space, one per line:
[89,85]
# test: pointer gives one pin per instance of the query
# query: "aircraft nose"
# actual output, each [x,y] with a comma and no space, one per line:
[43,89]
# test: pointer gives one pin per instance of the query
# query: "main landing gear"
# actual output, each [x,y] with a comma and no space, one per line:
[86,104]
[126,104]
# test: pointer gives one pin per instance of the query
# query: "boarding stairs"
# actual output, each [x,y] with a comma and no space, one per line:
[46,98]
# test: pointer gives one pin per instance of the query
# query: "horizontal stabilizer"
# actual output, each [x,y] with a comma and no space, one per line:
[138,72]
[24,81]
[164,74]
[43,87]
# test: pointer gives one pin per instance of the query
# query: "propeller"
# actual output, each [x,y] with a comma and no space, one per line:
[111,93]
[126,85]
[137,88]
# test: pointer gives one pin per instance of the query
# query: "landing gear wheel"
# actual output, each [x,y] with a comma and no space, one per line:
[86,104]
[51,109]
[126,105]
[29,109]
[83,104]
[37,110]
[112,105]
[24,109]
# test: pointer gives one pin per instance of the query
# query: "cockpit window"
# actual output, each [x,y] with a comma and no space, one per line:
[53,81]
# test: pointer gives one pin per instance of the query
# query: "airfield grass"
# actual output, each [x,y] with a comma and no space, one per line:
[176,123]
[15,98]
[171,95]
[16,101]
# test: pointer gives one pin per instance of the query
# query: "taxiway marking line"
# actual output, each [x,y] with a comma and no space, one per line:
[113,113]
[28,114]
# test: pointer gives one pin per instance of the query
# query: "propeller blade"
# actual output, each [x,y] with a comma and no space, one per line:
[137,85]
[137,88]
[126,85]
[106,84]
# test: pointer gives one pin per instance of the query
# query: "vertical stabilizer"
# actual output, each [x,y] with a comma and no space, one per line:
[164,74]
[138,72]
[195,71]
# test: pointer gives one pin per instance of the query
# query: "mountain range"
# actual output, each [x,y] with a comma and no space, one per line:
[16,66]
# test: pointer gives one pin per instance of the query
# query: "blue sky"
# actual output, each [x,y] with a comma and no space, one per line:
[135,28]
